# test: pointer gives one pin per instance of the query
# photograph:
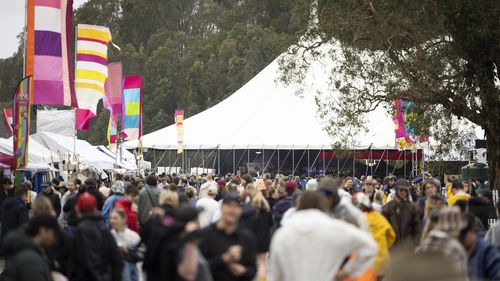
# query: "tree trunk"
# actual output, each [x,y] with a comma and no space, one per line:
[494,162]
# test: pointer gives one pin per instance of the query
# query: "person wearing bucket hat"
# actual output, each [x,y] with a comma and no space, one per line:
[118,192]
[403,215]
[443,240]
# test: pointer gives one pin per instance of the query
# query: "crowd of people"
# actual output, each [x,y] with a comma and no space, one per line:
[176,227]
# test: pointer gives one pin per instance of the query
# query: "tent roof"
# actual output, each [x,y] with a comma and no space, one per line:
[85,151]
[37,153]
[265,114]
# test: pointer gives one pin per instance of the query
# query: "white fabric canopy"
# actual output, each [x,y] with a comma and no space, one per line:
[56,121]
[84,150]
[37,153]
[128,158]
[265,114]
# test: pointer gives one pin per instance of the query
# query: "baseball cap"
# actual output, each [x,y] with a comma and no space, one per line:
[212,190]
[312,185]
[86,203]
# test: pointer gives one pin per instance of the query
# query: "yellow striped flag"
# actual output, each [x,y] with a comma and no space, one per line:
[91,69]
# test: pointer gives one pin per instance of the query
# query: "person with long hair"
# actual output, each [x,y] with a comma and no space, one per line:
[125,239]
[260,221]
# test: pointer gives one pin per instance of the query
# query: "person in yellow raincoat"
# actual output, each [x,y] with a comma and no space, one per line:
[381,230]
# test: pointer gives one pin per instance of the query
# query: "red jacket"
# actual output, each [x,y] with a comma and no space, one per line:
[132,221]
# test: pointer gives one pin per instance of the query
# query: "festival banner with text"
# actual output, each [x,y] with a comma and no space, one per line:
[21,112]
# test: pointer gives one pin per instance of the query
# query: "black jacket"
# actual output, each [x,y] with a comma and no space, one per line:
[260,222]
[14,214]
[95,255]
[4,194]
[163,248]
[24,260]
[98,196]
[479,207]
[54,200]
[214,243]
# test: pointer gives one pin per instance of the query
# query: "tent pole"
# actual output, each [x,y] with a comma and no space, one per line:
[293,161]
[324,168]
[404,161]
[278,161]
[330,161]
[308,163]
[234,161]
[154,155]
[218,160]
[269,161]
[286,157]
[371,160]
[202,162]
[263,159]
[353,163]
[387,163]
[315,159]
[302,156]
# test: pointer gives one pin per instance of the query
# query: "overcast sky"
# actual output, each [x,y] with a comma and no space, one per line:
[12,22]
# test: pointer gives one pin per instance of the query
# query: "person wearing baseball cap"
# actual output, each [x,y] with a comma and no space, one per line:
[209,205]
[94,252]
[403,215]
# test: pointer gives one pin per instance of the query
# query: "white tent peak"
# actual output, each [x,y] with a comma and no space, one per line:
[266,114]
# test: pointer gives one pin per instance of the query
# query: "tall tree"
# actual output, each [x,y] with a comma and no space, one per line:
[442,55]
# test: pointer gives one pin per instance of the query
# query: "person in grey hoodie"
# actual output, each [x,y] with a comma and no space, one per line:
[148,199]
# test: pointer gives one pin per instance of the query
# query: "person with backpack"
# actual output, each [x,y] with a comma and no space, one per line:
[283,203]
[148,199]
[95,255]
[117,191]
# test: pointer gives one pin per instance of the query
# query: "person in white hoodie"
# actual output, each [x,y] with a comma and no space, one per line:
[315,246]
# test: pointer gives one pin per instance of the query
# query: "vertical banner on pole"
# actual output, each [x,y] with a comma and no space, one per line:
[21,112]
[179,124]
[132,107]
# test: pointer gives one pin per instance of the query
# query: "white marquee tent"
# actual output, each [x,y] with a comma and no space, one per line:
[84,150]
[38,155]
[265,114]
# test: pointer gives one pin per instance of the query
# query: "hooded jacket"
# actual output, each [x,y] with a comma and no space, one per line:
[405,220]
[384,235]
[95,254]
[132,222]
[54,200]
[24,260]
[319,248]
[14,214]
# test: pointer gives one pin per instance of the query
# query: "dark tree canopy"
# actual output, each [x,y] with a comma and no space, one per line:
[442,55]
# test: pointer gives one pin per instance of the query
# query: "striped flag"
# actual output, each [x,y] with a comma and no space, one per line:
[91,69]
[132,107]
[48,54]
[8,120]
[21,112]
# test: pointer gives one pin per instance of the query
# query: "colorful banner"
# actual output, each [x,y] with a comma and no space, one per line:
[403,140]
[132,107]
[48,54]
[91,70]
[21,113]
[179,124]
[112,132]
[8,120]
[114,89]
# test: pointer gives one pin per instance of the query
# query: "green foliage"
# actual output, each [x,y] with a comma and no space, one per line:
[441,55]
[191,53]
